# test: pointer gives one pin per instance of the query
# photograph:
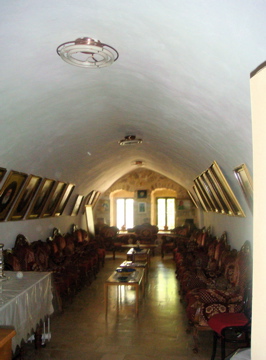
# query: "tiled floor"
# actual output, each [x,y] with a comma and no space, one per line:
[159,332]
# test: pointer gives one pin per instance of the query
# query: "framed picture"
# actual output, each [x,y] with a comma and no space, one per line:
[219,208]
[77,205]
[90,197]
[214,201]
[217,193]
[90,219]
[64,200]
[9,191]
[25,197]
[142,207]
[200,198]
[41,198]
[226,190]
[244,178]
[192,199]
[142,194]
[105,205]
[203,195]
[2,173]
[54,199]
[96,197]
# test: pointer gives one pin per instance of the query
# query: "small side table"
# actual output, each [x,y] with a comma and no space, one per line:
[143,254]
[135,265]
[135,281]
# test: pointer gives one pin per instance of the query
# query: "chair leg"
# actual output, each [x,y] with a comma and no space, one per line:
[196,340]
[222,348]
[247,337]
[214,346]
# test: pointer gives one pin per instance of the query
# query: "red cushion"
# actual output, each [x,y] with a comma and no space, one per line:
[220,321]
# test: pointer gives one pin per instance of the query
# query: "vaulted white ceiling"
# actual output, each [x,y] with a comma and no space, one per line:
[181,83]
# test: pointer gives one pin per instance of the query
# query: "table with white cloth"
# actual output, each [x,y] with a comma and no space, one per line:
[242,354]
[24,301]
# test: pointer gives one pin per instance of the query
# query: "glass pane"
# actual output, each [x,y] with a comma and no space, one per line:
[171,213]
[161,213]
[120,213]
[129,213]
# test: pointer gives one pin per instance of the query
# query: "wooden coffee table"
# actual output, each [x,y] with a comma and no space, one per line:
[141,254]
[136,265]
[134,279]
[152,247]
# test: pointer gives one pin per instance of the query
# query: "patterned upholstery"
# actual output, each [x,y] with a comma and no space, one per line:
[146,233]
[212,277]
[233,327]
[72,258]
[204,303]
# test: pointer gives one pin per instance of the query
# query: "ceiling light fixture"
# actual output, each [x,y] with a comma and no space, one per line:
[88,53]
[130,140]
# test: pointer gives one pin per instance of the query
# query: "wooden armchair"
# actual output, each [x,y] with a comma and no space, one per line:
[207,266]
[186,245]
[107,239]
[146,233]
[226,294]
[11,261]
[232,327]
[25,254]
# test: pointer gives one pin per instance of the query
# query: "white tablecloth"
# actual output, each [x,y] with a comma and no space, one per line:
[242,354]
[24,302]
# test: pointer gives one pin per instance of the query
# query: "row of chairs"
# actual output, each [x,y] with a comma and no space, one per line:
[215,286]
[73,258]
[109,238]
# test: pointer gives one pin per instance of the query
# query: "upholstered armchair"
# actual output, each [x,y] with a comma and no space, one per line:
[107,239]
[11,261]
[186,245]
[168,244]
[146,233]
[234,328]
[24,253]
[208,264]
[225,295]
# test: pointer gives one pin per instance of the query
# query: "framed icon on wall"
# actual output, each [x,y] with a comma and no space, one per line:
[142,194]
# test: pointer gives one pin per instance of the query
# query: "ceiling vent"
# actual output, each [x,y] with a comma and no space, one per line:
[88,53]
[137,163]
[130,140]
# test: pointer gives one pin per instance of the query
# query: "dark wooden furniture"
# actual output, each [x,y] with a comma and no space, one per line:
[6,335]
[232,327]
[135,280]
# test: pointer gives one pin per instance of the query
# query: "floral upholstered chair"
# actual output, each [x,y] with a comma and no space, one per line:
[207,265]
[146,233]
[225,295]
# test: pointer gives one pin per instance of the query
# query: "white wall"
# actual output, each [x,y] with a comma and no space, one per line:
[33,229]
[258,102]
[238,229]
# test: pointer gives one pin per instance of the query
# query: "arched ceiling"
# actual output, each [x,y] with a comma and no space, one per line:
[181,84]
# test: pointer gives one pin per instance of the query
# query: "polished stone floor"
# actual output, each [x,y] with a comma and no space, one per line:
[82,332]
